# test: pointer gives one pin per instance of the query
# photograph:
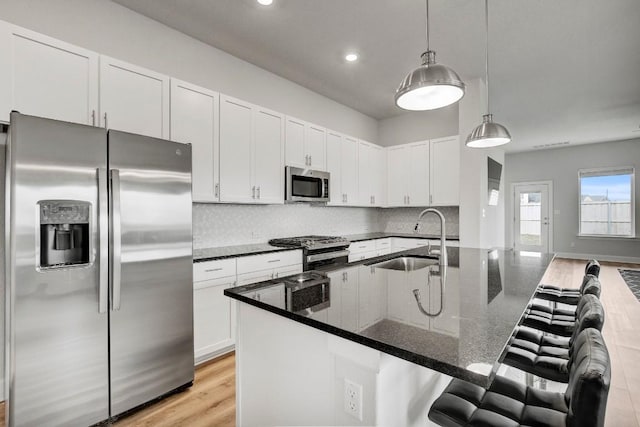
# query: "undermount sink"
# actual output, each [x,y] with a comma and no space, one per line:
[406,263]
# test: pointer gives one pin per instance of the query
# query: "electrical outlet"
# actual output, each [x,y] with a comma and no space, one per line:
[353,399]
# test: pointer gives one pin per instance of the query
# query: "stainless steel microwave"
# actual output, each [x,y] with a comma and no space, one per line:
[306,185]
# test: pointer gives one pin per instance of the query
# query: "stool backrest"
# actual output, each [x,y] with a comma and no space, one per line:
[591,285]
[589,314]
[592,267]
[589,380]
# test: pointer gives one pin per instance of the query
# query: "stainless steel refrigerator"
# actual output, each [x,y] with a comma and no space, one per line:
[99,272]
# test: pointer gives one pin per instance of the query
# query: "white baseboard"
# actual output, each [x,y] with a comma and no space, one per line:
[626,259]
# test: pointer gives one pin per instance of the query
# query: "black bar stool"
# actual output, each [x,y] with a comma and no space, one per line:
[567,295]
[559,321]
[508,403]
[547,355]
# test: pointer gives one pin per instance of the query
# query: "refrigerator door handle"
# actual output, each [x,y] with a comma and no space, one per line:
[103,247]
[116,239]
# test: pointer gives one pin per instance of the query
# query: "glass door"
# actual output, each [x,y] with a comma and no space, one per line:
[531,218]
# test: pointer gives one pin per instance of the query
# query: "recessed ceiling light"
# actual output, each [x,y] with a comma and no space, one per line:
[351,57]
[265,2]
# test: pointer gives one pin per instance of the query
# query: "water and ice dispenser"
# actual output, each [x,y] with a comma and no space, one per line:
[64,233]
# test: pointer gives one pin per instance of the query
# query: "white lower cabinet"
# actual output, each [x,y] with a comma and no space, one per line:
[213,312]
[212,325]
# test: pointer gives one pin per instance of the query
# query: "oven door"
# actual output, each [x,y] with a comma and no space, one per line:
[306,185]
[308,299]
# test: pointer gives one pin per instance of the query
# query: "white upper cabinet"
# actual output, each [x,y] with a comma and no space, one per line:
[398,176]
[342,165]
[133,99]
[305,144]
[251,153]
[45,77]
[194,120]
[445,171]
[408,176]
[316,147]
[334,167]
[418,165]
[268,158]
[372,174]
[236,123]
[424,173]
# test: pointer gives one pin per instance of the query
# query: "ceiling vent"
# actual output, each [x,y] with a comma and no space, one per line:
[552,144]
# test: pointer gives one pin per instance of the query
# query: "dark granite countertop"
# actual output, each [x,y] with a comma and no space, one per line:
[384,235]
[221,252]
[210,254]
[473,311]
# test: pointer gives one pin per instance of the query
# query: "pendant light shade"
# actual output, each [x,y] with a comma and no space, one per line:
[431,85]
[488,133]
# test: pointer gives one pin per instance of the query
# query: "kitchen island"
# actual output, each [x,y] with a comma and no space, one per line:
[399,336]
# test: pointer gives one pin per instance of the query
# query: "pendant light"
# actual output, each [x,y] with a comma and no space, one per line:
[488,133]
[431,85]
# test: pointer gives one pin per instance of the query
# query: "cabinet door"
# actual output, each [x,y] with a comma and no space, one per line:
[397,296]
[316,147]
[445,171]
[365,174]
[366,296]
[236,119]
[379,176]
[294,143]
[349,170]
[334,167]
[398,176]
[418,180]
[349,300]
[334,312]
[212,328]
[273,295]
[194,120]
[268,156]
[41,76]
[133,99]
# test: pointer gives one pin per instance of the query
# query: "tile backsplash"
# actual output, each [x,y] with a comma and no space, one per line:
[403,220]
[227,225]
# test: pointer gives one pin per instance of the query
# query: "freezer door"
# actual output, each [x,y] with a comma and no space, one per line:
[58,333]
[151,331]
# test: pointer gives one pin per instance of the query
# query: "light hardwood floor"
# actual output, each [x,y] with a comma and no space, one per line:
[211,400]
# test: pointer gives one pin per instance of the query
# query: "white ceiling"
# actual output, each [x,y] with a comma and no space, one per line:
[561,70]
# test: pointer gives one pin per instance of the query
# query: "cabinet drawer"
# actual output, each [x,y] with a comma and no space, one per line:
[272,261]
[214,269]
[364,246]
[383,243]
[359,256]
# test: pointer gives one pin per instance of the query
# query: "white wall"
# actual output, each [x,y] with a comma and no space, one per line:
[116,31]
[418,126]
[561,166]
[481,225]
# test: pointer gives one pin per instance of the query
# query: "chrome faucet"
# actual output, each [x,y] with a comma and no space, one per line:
[443,247]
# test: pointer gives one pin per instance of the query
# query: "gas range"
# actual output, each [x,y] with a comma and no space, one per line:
[318,250]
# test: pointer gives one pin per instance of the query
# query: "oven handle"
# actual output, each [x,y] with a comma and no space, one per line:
[327,255]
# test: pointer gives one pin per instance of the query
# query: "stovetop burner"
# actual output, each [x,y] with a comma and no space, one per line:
[310,242]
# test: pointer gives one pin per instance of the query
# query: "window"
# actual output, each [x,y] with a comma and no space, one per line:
[606,202]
